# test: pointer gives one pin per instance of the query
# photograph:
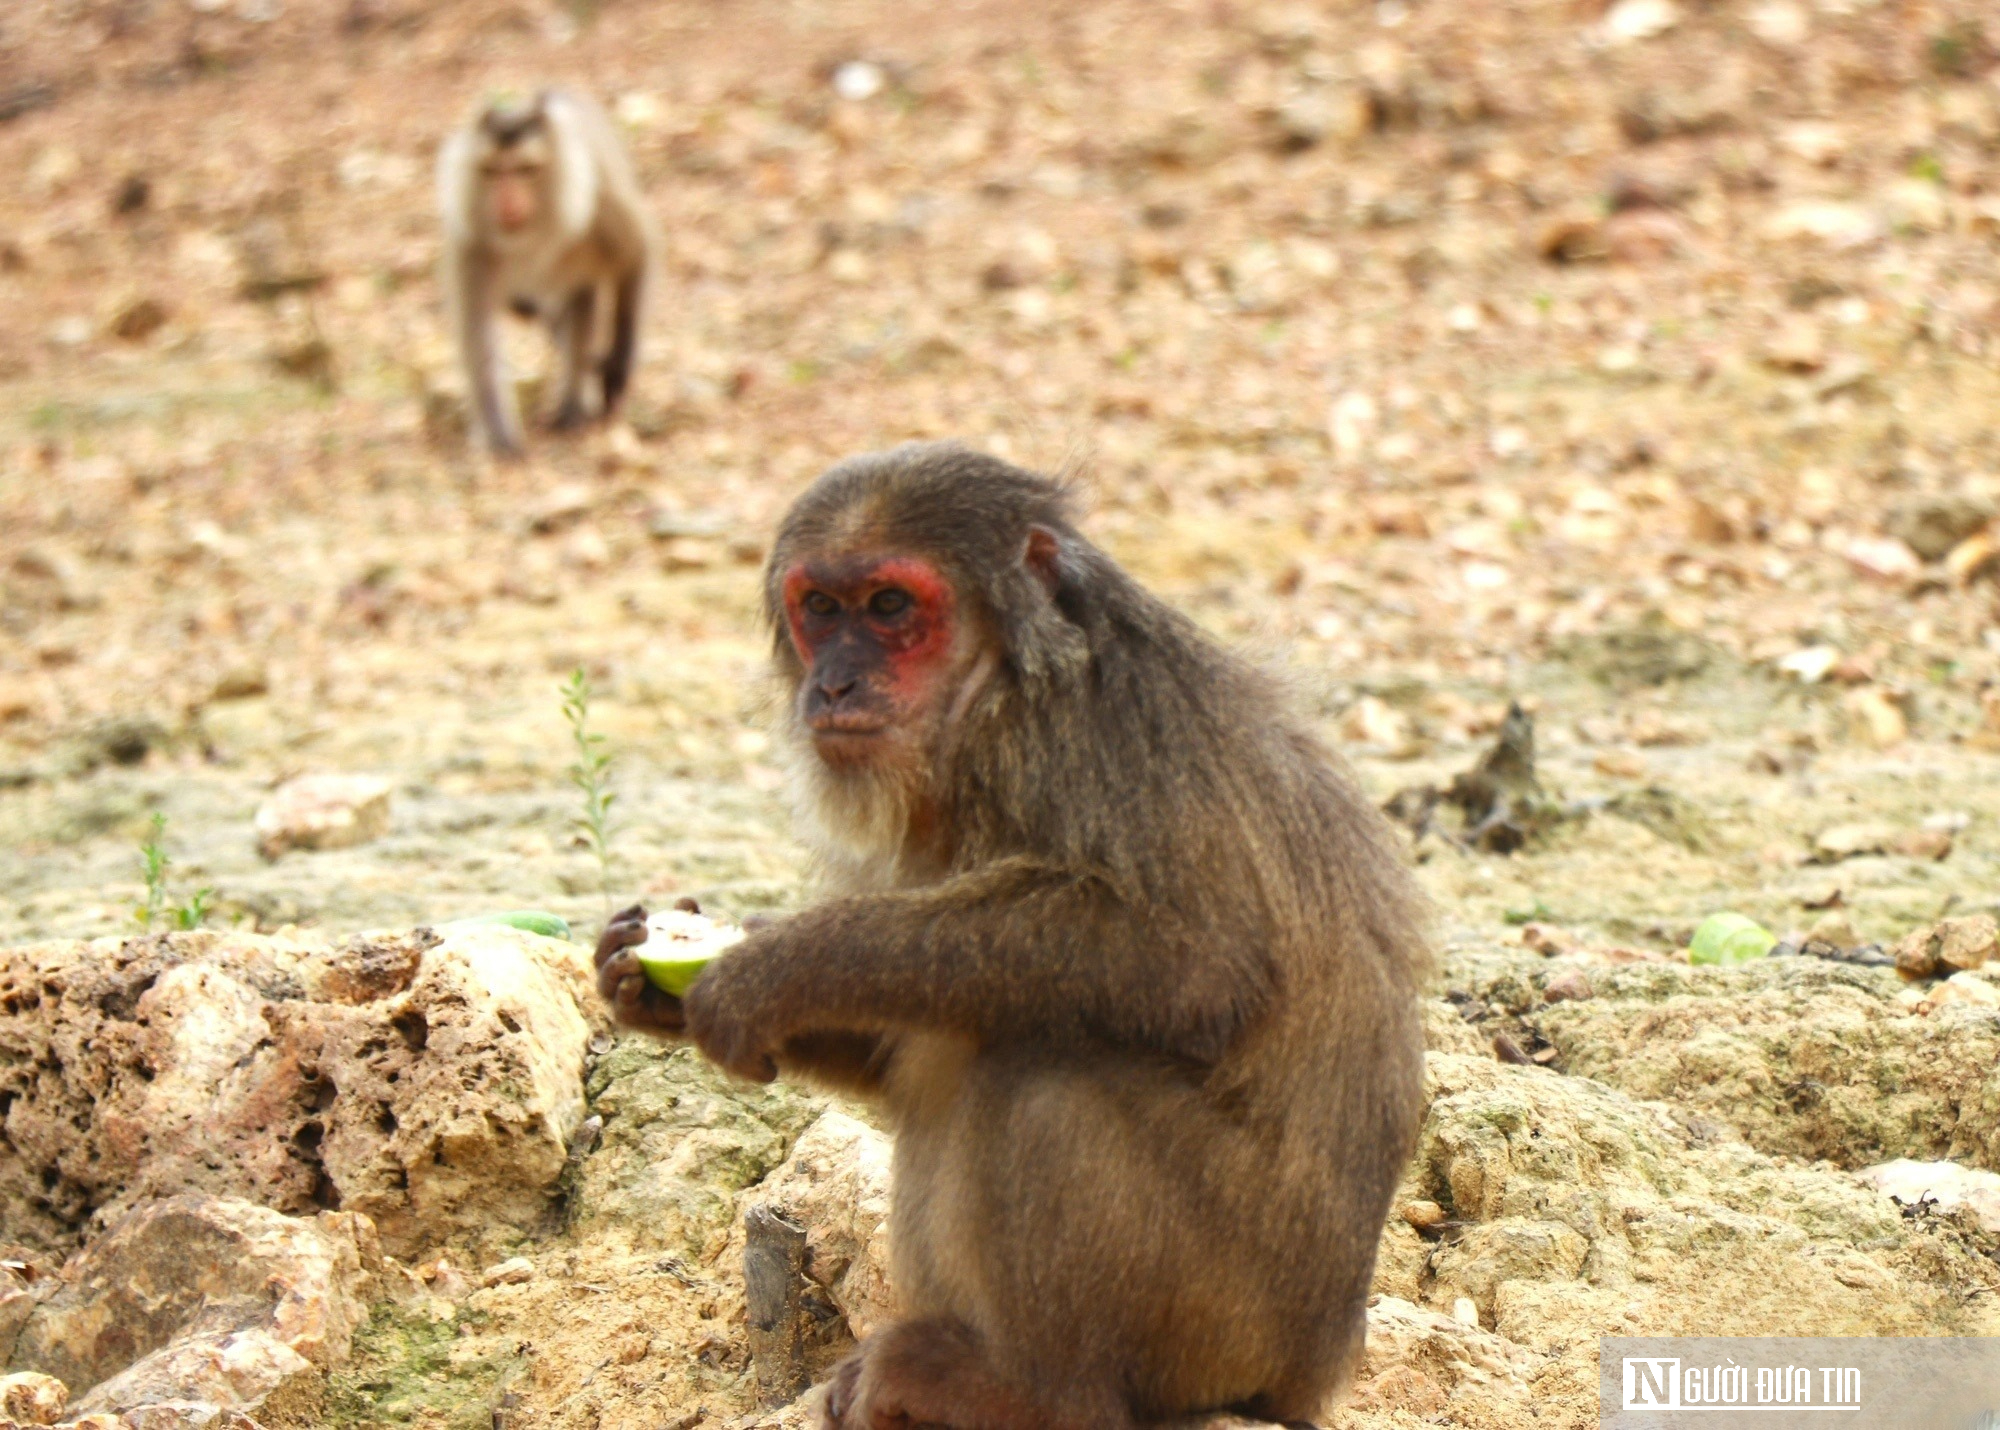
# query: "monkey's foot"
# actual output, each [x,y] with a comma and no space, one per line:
[933,1375]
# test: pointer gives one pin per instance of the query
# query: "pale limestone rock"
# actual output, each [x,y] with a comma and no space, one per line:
[323,812]
[202,1266]
[1946,1186]
[244,1370]
[836,1185]
[32,1398]
[433,1084]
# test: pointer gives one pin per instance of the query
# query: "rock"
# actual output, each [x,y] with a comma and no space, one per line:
[1781,23]
[1629,20]
[514,1271]
[1419,1361]
[243,681]
[178,1415]
[1932,526]
[204,1298]
[1548,940]
[1583,1205]
[1948,946]
[1848,841]
[1930,844]
[1574,238]
[431,1083]
[1373,721]
[1646,236]
[1447,1031]
[1885,558]
[1620,764]
[323,812]
[1810,665]
[138,319]
[1916,206]
[1306,118]
[1968,942]
[206,1375]
[1832,225]
[1803,1057]
[1797,346]
[32,1398]
[1568,986]
[17,1303]
[1944,1186]
[680,1141]
[1973,559]
[50,577]
[1916,954]
[836,1185]
[1422,1214]
[1963,990]
[1834,927]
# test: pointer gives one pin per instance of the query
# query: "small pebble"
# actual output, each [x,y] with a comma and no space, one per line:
[511,1272]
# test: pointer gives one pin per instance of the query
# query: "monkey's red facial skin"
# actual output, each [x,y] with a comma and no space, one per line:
[875,634]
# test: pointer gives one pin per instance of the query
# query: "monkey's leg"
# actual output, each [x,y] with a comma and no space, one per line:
[934,1372]
[617,371]
[573,331]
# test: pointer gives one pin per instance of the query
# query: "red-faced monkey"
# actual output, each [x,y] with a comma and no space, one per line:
[542,213]
[1130,961]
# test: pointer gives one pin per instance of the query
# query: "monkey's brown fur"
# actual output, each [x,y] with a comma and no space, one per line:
[1129,960]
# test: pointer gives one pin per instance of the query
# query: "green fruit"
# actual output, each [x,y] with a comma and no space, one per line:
[530,920]
[676,970]
[1730,939]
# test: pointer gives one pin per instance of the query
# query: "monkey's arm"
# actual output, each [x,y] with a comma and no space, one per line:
[846,1061]
[1015,953]
[475,300]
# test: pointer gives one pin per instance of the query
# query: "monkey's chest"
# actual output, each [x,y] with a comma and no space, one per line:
[540,284]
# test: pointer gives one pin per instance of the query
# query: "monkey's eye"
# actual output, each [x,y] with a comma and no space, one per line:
[818,603]
[889,602]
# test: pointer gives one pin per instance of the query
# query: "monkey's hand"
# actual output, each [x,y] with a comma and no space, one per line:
[635,1002]
[731,1014]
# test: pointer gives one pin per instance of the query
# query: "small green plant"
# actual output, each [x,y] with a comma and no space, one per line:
[591,774]
[194,913]
[1538,912]
[1927,167]
[153,861]
[1959,50]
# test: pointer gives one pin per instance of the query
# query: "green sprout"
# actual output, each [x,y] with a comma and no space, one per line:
[153,861]
[591,774]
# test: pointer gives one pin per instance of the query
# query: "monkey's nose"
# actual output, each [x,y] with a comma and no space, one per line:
[836,687]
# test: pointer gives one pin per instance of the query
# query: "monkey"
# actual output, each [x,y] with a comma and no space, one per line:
[1122,950]
[543,213]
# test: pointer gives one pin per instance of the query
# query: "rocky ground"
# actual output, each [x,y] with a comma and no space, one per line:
[1637,363]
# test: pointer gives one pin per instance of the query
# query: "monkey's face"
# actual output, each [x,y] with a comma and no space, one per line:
[880,640]
[513,179]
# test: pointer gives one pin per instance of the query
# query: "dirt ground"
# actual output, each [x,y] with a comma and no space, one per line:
[1638,364]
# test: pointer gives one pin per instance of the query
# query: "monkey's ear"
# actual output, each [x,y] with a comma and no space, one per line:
[1043,558]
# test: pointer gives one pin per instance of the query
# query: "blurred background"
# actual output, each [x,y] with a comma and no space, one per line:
[1637,362]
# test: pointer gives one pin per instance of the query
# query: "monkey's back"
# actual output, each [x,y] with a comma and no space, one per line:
[1217,1226]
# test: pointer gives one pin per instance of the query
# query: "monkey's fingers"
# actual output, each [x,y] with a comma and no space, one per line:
[627,927]
[634,1000]
[636,1003]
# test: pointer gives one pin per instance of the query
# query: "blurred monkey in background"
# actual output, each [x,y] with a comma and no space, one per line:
[542,213]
